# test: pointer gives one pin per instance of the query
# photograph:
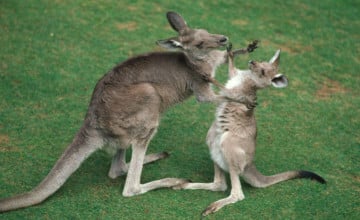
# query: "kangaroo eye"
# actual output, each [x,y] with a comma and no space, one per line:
[262,72]
[200,45]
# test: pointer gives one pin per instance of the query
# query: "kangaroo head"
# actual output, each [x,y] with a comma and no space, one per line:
[266,73]
[190,39]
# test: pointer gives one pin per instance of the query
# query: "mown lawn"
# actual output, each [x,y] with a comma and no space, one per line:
[53,52]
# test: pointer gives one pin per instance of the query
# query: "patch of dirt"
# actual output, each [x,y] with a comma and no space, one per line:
[328,88]
[296,48]
[291,48]
[357,178]
[132,8]
[4,139]
[240,22]
[129,26]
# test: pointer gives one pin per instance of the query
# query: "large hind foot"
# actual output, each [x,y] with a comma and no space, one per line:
[216,206]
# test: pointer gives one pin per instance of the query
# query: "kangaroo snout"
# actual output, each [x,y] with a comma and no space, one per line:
[224,40]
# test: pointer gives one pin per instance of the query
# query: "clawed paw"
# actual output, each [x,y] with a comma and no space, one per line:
[251,47]
[229,50]
[251,105]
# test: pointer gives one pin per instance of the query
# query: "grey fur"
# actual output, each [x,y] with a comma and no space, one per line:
[232,136]
[126,107]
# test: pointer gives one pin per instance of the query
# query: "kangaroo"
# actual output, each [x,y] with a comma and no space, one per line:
[232,136]
[126,106]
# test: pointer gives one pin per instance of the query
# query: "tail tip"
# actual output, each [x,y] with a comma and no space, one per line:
[312,176]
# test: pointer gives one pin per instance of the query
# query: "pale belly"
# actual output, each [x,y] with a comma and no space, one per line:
[217,154]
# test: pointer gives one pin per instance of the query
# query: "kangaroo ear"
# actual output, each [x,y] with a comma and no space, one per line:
[279,81]
[275,60]
[176,21]
[170,44]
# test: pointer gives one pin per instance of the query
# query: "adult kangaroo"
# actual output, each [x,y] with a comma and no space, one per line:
[232,136]
[126,106]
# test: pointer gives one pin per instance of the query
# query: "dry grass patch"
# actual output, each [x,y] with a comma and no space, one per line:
[129,26]
[4,139]
[328,88]
[290,48]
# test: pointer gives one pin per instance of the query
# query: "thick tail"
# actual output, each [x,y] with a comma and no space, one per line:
[82,146]
[256,179]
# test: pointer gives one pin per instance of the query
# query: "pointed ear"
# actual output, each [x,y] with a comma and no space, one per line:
[171,43]
[275,60]
[176,21]
[279,81]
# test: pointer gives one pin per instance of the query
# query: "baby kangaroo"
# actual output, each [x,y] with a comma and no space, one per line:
[232,136]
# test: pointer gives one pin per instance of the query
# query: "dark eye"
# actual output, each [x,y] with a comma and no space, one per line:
[200,45]
[262,72]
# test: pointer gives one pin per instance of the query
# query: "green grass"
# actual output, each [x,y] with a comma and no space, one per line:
[53,52]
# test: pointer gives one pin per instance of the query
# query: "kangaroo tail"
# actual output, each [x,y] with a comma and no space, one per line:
[84,144]
[255,178]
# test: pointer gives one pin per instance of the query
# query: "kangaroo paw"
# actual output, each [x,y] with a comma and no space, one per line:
[251,47]
[229,47]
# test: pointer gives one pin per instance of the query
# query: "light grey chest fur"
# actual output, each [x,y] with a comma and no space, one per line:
[228,122]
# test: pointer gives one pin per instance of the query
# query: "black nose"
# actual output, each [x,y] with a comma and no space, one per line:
[223,40]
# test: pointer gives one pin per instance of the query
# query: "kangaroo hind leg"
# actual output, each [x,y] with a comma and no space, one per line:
[133,184]
[235,195]
[236,160]
[219,183]
[119,166]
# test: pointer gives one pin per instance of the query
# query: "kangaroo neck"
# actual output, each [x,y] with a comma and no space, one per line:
[204,63]
[200,66]
[240,86]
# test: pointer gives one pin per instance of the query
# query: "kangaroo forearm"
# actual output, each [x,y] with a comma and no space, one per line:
[240,51]
[250,48]
[237,52]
